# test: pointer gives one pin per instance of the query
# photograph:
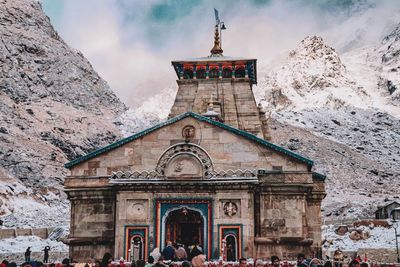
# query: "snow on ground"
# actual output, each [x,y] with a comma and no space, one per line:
[371,132]
[30,213]
[20,244]
[380,237]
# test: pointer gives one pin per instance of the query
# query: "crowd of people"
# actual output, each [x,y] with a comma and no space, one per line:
[274,261]
[177,255]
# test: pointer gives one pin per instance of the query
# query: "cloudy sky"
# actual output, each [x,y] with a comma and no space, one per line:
[131,43]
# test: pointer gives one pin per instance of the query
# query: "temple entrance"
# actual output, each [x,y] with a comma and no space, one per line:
[136,249]
[186,221]
[185,226]
[231,248]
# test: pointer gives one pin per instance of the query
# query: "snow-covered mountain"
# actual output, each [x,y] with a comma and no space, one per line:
[390,71]
[314,75]
[152,111]
[343,112]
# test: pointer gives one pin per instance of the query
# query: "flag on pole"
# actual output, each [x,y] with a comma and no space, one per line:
[216,16]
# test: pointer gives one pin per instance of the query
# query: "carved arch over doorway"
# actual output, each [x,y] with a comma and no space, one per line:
[185,160]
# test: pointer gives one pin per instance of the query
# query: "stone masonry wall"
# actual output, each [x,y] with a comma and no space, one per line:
[92,224]
[227,151]
[237,104]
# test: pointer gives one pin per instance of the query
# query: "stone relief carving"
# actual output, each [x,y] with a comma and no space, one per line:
[178,166]
[120,175]
[184,165]
[234,173]
[182,158]
[126,175]
[188,132]
[136,208]
[230,209]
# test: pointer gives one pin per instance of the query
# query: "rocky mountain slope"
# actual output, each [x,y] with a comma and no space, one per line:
[53,108]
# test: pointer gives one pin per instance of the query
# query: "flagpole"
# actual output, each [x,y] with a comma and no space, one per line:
[219,26]
[220,35]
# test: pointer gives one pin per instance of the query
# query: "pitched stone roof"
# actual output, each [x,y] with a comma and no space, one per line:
[233,130]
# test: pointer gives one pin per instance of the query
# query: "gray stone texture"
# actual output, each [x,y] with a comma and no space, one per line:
[53,106]
[234,99]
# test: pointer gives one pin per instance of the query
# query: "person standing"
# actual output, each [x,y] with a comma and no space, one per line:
[28,254]
[46,254]
[301,260]
[180,253]
[150,262]
[275,261]
[242,262]
[168,252]
[196,250]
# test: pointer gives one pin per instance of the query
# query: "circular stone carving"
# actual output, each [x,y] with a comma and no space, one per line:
[188,132]
[230,209]
[137,209]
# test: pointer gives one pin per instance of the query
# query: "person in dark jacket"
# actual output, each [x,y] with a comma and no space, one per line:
[46,254]
[107,258]
[28,254]
[196,251]
[168,252]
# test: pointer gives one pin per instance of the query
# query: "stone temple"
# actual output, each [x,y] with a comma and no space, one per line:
[209,174]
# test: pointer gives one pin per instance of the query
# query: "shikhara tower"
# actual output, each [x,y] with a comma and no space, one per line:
[206,175]
[222,86]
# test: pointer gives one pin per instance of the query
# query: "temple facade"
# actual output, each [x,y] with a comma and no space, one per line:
[208,175]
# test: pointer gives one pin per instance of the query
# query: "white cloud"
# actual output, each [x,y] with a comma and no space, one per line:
[132,50]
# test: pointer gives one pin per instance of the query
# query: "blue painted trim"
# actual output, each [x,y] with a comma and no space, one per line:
[200,118]
[148,236]
[211,218]
[318,176]
[241,237]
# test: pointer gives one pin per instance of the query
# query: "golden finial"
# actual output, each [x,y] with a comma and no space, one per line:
[216,50]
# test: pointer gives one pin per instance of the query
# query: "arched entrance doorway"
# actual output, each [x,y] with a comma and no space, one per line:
[185,226]
[170,210]
[136,248]
[231,248]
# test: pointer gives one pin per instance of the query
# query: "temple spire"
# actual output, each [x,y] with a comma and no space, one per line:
[219,25]
[216,50]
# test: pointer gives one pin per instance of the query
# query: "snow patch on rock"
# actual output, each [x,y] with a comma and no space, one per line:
[153,111]
[380,237]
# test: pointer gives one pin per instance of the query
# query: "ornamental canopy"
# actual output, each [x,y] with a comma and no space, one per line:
[222,68]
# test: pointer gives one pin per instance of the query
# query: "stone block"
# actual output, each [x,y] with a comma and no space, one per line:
[244,157]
